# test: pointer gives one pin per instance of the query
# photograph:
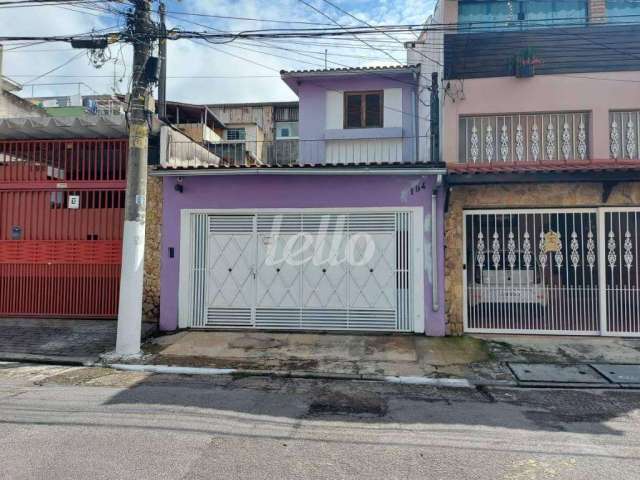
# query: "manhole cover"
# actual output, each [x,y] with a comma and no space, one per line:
[619,373]
[555,373]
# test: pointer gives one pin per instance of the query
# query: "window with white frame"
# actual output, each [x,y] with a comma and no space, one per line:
[236,134]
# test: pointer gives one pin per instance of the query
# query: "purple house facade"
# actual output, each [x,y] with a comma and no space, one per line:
[345,235]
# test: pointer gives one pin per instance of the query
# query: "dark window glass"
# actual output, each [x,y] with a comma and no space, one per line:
[363,110]
[373,113]
[623,11]
[354,111]
[520,14]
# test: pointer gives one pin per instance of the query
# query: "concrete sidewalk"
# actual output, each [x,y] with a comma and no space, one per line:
[562,349]
[320,353]
[479,359]
[63,341]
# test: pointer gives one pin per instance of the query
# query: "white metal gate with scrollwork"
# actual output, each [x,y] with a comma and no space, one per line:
[560,271]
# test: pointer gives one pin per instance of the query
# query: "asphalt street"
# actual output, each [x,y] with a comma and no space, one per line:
[82,423]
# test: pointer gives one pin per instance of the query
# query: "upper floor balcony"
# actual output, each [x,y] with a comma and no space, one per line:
[533,140]
[487,37]
[243,153]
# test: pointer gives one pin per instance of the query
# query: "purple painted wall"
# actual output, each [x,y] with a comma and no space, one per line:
[287,191]
[312,93]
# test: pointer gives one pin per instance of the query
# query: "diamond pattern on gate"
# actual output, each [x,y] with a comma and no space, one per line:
[230,266]
[324,286]
[278,285]
[375,289]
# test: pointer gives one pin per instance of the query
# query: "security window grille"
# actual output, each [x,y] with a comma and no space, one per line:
[363,109]
[236,134]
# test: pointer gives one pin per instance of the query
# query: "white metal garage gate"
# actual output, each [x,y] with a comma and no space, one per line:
[315,270]
[553,271]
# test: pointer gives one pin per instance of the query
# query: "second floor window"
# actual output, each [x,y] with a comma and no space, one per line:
[363,109]
[520,14]
[286,130]
[623,11]
[236,134]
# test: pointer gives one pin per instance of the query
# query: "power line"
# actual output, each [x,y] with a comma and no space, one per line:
[252,19]
[321,32]
[56,68]
[345,28]
[369,25]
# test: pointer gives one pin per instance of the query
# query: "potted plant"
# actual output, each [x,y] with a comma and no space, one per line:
[525,63]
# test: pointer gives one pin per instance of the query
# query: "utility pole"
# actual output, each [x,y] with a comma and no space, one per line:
[162,86]
[131,278]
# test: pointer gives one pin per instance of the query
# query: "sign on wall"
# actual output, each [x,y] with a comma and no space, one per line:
[74,202]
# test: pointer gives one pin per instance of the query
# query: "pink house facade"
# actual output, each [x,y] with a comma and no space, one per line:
[540,122]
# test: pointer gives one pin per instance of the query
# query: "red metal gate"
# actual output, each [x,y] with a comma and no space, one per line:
[61,217]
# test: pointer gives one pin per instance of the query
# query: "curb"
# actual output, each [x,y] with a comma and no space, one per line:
[406,380]
[48,359]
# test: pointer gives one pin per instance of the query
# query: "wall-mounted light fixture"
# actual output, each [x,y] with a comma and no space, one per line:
[179,187]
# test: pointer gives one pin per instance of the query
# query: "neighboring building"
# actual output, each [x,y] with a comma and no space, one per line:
[540,122]
[79,105]
[353,188]
[11,105]
[62,189]
[258,133]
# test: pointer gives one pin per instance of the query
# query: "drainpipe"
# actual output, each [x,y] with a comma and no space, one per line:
[435,263]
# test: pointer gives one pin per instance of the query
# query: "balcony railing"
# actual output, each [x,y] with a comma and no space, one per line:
[524,137]
[288,152]
[624,134]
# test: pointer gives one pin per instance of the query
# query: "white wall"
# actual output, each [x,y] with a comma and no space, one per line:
[334,110]
[376,150]
[392,107]
[428,52]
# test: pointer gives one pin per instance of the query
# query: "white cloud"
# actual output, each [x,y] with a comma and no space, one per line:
[193,59]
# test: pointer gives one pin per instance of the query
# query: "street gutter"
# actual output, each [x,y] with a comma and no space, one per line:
[408,380]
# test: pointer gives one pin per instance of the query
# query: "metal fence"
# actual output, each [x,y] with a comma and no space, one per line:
[289,152]
[571,271]
[624,135]
[62,212]
[524,137]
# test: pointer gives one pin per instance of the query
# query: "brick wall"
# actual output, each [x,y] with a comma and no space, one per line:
[547,195]
[597,11]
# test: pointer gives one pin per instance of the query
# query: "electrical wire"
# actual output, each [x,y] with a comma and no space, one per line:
[56,68]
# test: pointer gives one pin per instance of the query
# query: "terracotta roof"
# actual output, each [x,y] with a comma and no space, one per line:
[543,167]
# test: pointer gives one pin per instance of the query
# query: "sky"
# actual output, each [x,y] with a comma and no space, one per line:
[198,72]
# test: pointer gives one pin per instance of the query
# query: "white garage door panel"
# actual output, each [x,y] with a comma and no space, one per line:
[278,282]
[373,284]
[324,286]
[302,270]
[230,270]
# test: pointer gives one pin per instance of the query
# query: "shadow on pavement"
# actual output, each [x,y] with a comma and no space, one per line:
[575,411]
